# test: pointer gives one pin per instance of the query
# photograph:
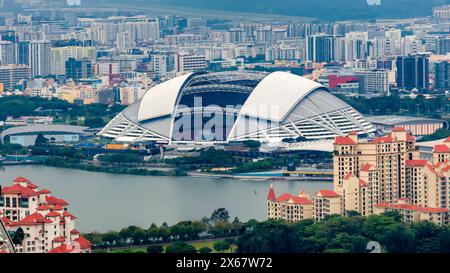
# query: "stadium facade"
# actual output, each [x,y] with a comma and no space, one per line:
[236,106]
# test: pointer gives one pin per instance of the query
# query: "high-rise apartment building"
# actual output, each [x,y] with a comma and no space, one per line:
[78,69]
[10,75]
[320,48]
[441,75]
[373,81]
[8,53]
[39,57]
[412,72]
[187,62]
[60,55]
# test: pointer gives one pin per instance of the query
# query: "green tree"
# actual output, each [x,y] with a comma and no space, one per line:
[40,140]
[180,247]
[444,240]
[221,246]
[111,237]
[399,240]
[205,249]
[94,122]
[375,226]
[220,214]
[155,249]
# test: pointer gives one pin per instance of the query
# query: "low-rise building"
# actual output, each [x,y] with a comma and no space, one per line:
[289,207]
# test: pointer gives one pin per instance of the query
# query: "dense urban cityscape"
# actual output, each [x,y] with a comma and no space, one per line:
[186,112]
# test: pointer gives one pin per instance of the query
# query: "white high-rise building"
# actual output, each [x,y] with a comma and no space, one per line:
[40,58]
[187,62]
[8,53]
[125,40]
[374,81]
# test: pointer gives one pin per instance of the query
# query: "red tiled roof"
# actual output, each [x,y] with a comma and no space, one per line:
[348,176]
[327,193]
[57,207]
[340,140]
[441,148]
[410,138]
[412,208]
[52,214]
[43,207]
[7,222]
[68,214]
[33,219]
[271,194]
[416,162]
[362,183]
[51,200]
[18,189]
[84,243]
[21,179]
[32,186]
[74,232]
[287,197]
[59,240]
[62,249]
[398,129]
[44,191]
[383,139]
[446,169]
[366,167]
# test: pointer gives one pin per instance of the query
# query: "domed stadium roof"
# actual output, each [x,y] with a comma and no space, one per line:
[235,106]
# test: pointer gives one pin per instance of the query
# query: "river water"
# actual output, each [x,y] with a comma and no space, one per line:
[103,201]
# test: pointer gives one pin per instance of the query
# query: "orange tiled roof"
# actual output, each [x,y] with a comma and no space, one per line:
[286,197]
[412,208]
[416,162]
[441,148]
[18,189]
[84,243]
[340,140]
[327,193]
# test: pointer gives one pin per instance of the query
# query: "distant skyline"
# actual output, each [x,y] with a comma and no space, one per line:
[321,9]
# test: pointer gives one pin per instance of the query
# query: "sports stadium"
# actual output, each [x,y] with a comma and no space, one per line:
[224,107]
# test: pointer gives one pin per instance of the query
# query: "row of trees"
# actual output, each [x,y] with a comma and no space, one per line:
[61,110]
[218,225]
[334,234]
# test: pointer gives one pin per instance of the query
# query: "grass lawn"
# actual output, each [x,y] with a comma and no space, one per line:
[197,245]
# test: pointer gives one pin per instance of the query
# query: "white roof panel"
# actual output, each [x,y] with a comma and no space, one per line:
[160,100]
[276,95]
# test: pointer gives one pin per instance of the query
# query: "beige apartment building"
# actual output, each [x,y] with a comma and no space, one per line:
[326,203]
[289,207]
[441,152]
[378,175]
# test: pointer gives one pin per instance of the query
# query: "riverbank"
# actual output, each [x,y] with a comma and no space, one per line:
[154,171]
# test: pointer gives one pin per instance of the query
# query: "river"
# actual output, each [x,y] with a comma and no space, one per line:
[104,201]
